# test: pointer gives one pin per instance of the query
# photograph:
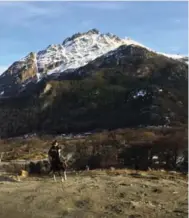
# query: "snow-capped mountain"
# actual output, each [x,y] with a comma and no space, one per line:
[93,80]
[79,50]
[73,53]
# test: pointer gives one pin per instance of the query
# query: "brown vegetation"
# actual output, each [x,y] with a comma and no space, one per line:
[131,148]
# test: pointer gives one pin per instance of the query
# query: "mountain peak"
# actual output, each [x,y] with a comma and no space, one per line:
[94,31]
[76,35]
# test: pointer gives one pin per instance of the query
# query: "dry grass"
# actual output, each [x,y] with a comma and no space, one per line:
[99,193]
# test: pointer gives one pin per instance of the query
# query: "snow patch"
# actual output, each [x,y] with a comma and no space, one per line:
[155,158]
[140,93]
[174,56]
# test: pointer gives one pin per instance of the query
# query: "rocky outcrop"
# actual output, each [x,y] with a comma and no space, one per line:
[18,76]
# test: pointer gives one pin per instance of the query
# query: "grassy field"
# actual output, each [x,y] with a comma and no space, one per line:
[105,193]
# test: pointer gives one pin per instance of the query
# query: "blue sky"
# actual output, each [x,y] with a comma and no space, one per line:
[32,26]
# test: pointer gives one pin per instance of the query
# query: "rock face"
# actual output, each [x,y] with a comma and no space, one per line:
[18,75]
[91,81]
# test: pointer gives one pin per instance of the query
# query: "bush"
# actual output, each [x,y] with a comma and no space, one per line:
[132,148]
[40,167]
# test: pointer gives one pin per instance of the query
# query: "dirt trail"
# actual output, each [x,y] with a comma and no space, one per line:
[95,194]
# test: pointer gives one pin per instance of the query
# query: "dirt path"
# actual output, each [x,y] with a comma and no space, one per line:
[96,194]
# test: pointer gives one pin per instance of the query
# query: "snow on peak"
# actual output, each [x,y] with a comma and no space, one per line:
[78,50]
[77,35]
[174,56]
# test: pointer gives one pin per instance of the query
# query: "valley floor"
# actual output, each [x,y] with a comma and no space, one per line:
[116,193]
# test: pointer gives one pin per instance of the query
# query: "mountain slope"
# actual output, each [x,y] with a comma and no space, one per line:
[128,86]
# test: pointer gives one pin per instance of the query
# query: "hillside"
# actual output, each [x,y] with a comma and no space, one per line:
[122,85]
